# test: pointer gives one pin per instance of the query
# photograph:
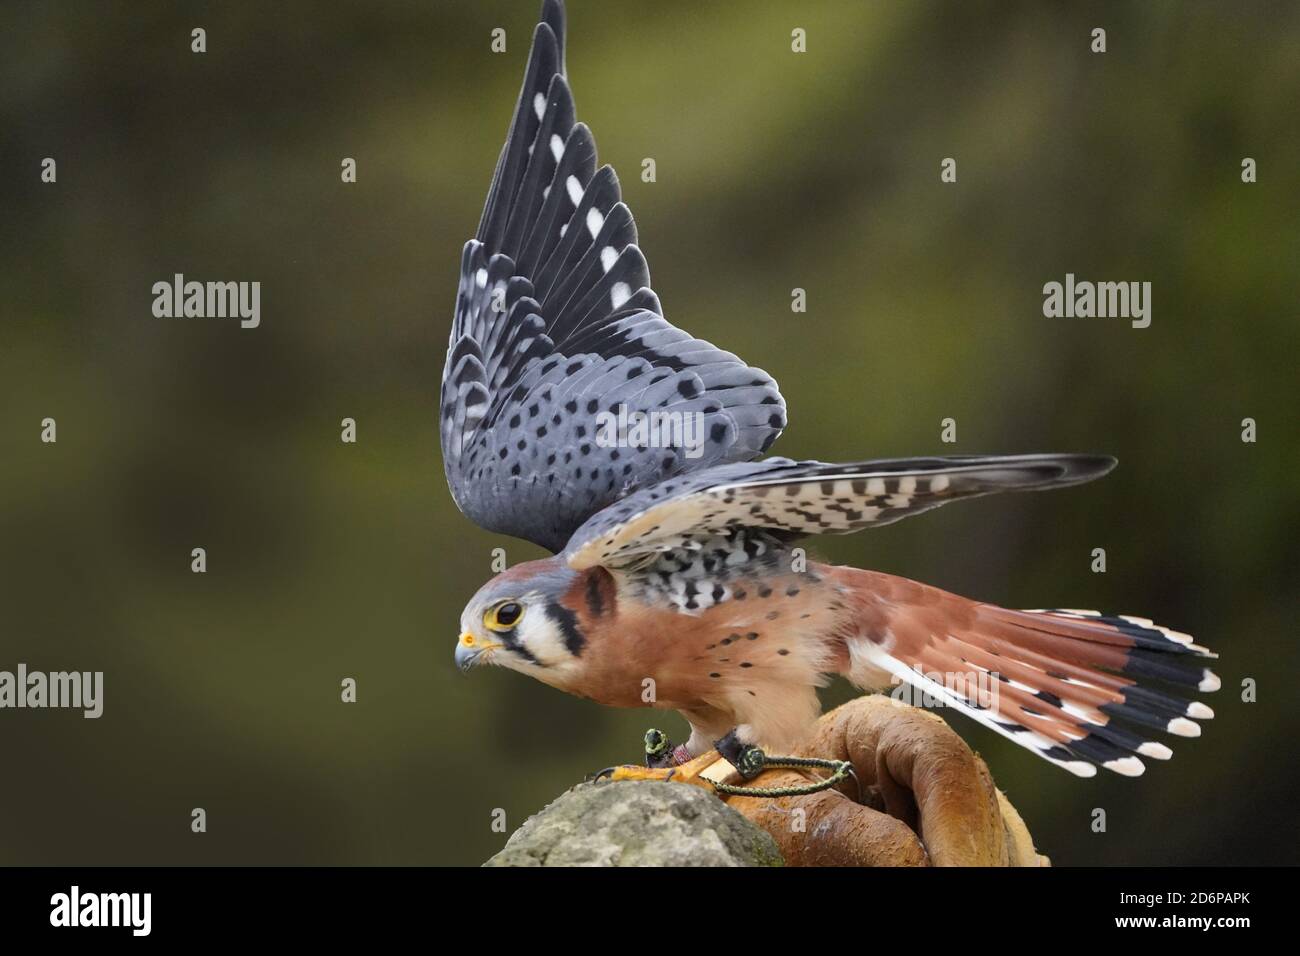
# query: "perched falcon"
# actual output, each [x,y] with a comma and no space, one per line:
[673,559]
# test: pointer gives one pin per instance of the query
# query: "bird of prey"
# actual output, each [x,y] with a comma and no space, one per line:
[674,580]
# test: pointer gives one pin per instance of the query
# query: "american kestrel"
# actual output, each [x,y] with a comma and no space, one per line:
[673,568]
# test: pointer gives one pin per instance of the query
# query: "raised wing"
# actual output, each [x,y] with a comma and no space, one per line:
[783,499]
[556,328]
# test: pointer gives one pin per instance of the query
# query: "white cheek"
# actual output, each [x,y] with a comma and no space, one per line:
[543,642]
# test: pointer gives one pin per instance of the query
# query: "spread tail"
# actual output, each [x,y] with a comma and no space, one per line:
[1060,682]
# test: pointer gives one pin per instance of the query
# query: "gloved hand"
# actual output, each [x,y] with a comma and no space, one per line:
[926,798]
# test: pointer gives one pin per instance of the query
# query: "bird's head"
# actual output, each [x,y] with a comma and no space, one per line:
[519,620]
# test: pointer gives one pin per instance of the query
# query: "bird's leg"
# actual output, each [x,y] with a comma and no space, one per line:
[665,763]
[746,758]
[660,752]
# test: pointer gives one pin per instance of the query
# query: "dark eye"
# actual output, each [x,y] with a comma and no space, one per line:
[504,616]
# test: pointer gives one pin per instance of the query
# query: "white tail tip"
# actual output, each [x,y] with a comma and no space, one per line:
[1128,766]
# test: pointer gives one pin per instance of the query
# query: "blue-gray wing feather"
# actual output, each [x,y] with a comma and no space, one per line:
[556,323]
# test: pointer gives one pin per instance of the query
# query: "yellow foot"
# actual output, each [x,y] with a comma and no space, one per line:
[691,772]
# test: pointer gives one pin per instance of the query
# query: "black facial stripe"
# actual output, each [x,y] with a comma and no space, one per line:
[567,621]
[511,641]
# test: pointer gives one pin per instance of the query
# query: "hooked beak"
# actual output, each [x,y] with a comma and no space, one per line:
[470,649]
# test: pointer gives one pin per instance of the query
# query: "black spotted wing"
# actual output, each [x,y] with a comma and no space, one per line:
[557,328]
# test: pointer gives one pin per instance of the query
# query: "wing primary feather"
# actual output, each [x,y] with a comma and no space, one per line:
[556,321]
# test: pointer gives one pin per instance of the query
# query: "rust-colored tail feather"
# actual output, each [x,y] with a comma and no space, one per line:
[1062,683]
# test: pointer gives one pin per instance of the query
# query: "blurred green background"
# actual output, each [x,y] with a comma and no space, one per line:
[775,171]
